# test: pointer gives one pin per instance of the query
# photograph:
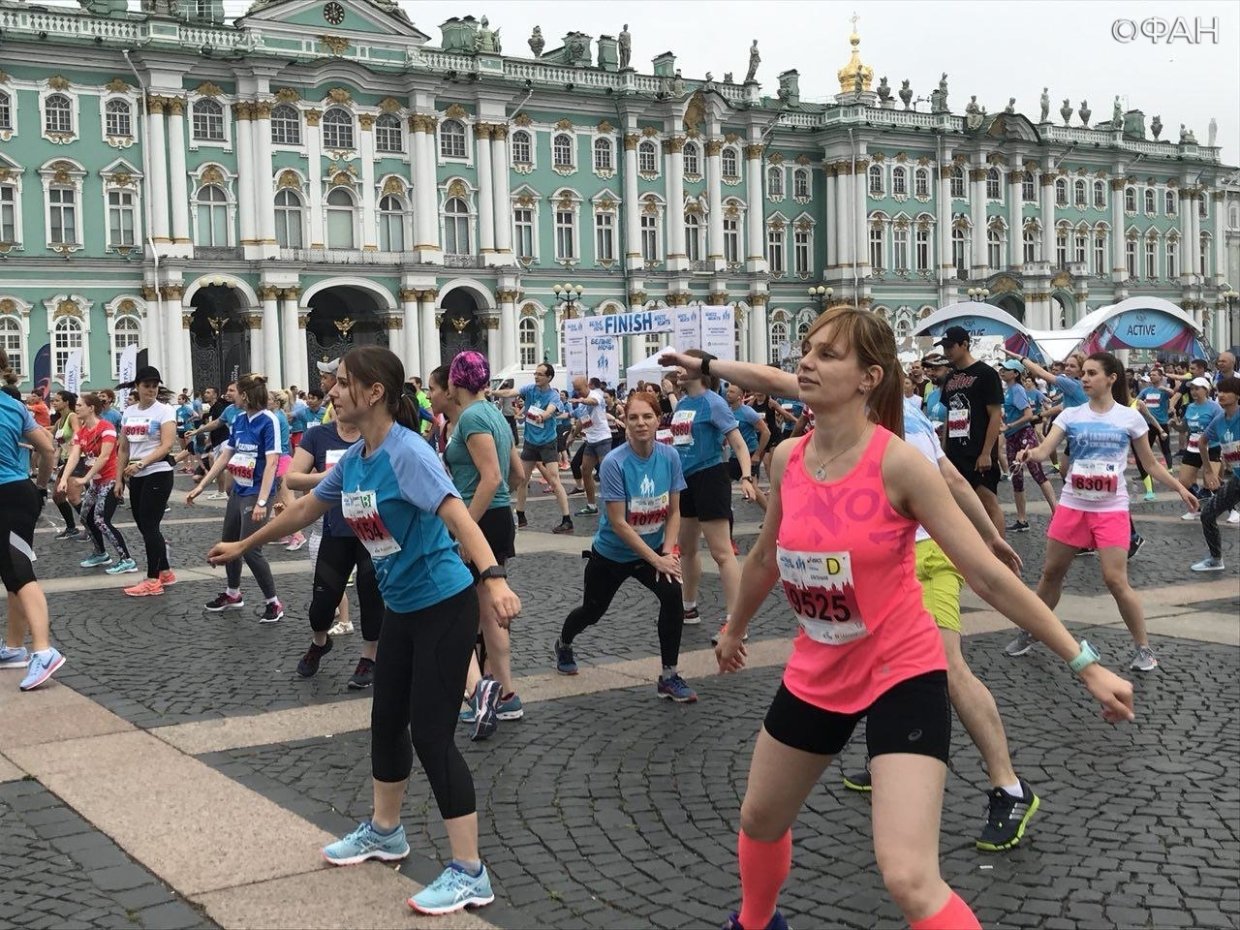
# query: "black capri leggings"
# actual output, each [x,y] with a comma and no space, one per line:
[19,512]
[603,580]
[148,496]
[337,557]
[419,678]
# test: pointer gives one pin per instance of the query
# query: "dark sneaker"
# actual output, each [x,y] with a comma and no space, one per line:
[486,702]
[1019,526]
[859,781]
[309,663]
[225,602]
[67,534]
[675,689]
[522,523]
[565,661]
[1135,544]
[1007,818]
[363,676]
[692,617]
[777,922]
[271,613]
[565,528]
[572,491]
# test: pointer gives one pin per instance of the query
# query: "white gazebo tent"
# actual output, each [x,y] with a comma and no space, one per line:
[649,369]
[1057,344]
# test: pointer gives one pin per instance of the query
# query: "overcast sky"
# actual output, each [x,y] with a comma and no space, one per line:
[994,50]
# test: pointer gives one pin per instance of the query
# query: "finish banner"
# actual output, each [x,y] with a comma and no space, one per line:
[592,344]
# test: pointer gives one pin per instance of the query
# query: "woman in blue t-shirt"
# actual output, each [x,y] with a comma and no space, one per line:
[398,500]
[1200,451]
[641,486]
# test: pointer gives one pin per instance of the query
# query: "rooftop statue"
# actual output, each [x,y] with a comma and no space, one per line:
[754,60]
[626,47]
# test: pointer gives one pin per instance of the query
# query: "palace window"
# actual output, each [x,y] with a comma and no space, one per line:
[731,240]
[899,182]
[1150,207]
[1080,194]
[391,224]
[1151,258]
[118,118]
[779,340]
[994,249]
[1100,195]
[650,237]
[1100,253]
[388,137]
[62,207]
[1061,192]
[1130,200]
[11,342]
[878,246]
[775,182]
[957,183]
[337,129]
[285,125]
[58,114]
[994,185]
[1130,257]
[1029,245]
[1204,246]
[1080,247]
[877,189]
[452,139]
[692,156]
[527,341]
[960,252]
[1029,188]
[66,337]
[1169,203]
[6,110]
[456,227]
[729,164]
[565,235]
[523,224]
[604,237]
[1203,209]
[212,216]
[775,249]
[8,213]
[1061,248]
[208,121]
[648,158]
[604,155]
[522,150]
[1173,260]
[800,184]
[126,332]
[921,243]
[693,237]
[899,245]
[562,151]
[288,220]
[122,219]
[921,183]
[341,213]
[801,251]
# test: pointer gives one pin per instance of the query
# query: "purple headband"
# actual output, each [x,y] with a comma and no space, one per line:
[470,371]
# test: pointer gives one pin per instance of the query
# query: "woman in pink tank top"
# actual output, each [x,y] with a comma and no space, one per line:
[839,534]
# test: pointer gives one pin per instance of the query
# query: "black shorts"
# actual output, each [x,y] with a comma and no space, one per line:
[914,716]
[988,479]
[1193,459]
[707,495]
[545,452]
[734,468]
[496,525]
[19,512]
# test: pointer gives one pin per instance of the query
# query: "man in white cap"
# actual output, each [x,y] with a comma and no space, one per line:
[327,381]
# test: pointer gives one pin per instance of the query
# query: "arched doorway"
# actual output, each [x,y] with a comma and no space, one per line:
[460,326]
[218,337]
[340,318]
[1012,303]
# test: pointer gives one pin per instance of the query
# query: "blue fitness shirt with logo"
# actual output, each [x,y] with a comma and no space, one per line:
[645,486]
[698,427]
[253,437]
[1225,431]
[391,500]
[547,400]
[1197,417]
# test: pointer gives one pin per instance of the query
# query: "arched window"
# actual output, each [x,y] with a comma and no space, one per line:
[6,110]
[1100,195]
[522,151]
[779,341]
[285,125]
[1028,188]
[805,319]
[775,181]
[66,336]
[921,182]
[903,327]
[288,220]
[994,185]
[693,159]
[1173,262]
[11,342]
[118,118]
[212,216]
[1169,205]
[208,121]
[957,182]
[899,181]
[648,157]
[527,341]
[1150,201]
[693,237]
[452,139]
[391,224]
[876,181]
[1062,231]
[562,150]
[1061,192]
[1080,193]
[729,163]
[603,155]
[337,129]
[1130,200]
[456,227]
[57,114]
[960,252]
[1151,257]
[1029,244]
[388,137]
[1080,246]
[1203,207]
[800,183]
[126,332]
[340,213]
[1206,257]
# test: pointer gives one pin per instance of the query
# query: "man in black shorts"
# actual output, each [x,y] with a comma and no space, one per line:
[973,396]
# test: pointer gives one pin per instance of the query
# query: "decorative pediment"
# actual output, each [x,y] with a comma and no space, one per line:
[376,19]
[207,89]
[340,96]
[393,185]
[289,179]
[58,82]
[523,119]
[456,111]
[117,86]
[458,189]
[566,124]
[389,105]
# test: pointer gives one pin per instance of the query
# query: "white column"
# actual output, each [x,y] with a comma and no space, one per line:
[714,195]
[370,225]
[1016,255]
[159,343]
[295,367]
[412,347]
[178,327]
[861,239]
[1047,218]
[755,219]
[178,178]
[502,192]
[244,143]
[977,210]
[264,197]
[632,209]
[271,337]
[1195,232]
[758,351]
[944,225]
[426,212]
[1218,261]
[507,327]
[831,227]
[1119,267]
[845,251]
[314,180]
[674,192]
[158,181]
[486,192]
[636,347]
[430,334]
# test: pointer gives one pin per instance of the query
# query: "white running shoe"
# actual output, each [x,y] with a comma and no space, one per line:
[1189,517]
[340,628]
[1234,517]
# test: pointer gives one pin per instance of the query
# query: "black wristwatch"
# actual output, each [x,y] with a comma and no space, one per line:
[707,358]
[495,571]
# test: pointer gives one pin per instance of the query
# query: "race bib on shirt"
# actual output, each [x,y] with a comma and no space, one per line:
[648,514]
[332,457]
[534,413]
[1153,401]
[819,588]
[362,515]
[1193,440]
[957,423]
[665,436]
[682,427]
[1231,454]
[1095,481]
[241,466]
[137,428]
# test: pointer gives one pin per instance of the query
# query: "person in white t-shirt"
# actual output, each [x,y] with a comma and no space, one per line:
[1093,507]
[597,436]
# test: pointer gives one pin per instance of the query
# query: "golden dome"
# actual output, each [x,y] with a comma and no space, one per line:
[848,74]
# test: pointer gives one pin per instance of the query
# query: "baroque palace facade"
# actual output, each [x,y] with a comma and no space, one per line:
[260,194]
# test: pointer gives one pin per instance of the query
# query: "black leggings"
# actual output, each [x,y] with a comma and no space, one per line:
[420,674]
[603,580]
[337,557]
[148,496]
[1164,443]
[98,507]
[19,512]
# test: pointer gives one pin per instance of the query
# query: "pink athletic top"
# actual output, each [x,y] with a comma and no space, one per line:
[848,567]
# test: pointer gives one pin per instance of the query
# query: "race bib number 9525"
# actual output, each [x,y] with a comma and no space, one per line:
[819,588]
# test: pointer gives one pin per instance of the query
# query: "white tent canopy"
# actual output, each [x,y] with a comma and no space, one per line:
[1059,343]
[968,308]
[649,370]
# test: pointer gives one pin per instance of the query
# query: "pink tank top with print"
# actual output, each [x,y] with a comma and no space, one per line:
[848,567]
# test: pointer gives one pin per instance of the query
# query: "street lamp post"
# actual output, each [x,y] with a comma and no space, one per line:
[1231,299]
[979,294]
[570,296]
[821,296]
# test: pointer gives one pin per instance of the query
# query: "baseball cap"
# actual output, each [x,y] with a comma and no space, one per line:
[935,360]
[954,336]
[1012,364]
[1202,382]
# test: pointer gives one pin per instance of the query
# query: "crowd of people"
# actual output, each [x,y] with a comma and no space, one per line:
[881,504]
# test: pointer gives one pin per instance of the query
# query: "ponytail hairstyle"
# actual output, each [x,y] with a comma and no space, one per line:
[94,402]
[253,391]
[1111,366]
[870,337]
[371,365]
[710,381]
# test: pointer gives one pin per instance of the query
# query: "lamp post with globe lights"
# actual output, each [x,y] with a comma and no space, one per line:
[821,295]
[570,296]
[979,294]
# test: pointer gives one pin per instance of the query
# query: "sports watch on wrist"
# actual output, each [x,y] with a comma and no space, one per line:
[1087,657]
[262,502]
[495,571]
[707,358]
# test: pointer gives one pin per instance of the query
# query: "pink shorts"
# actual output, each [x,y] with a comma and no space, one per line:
[1085,529]
[283,465]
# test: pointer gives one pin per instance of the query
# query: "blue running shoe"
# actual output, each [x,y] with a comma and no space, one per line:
[565,661]
[454,890]
[14,657]
[675,689]
[123,567]
[366,843]
[510,709]
[94,561]
[777,922]
[470,713]
[486,700]
[43,665]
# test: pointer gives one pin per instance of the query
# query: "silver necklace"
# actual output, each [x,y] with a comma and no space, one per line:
[820,473]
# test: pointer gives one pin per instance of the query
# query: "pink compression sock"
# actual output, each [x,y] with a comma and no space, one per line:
[954,915]
[764,867]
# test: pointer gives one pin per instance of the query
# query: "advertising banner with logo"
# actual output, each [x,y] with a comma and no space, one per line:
[73,372]
[591,345]
[604,359]
[718,331]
